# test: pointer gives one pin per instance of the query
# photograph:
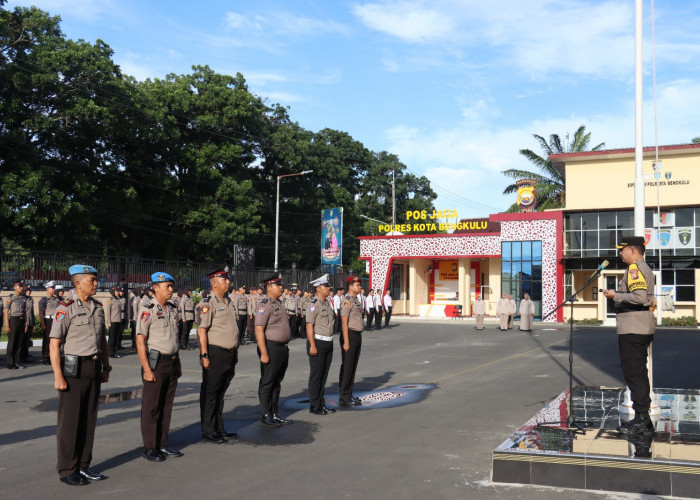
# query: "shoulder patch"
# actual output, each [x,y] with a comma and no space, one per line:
[312,308]
[635,279]
[59,316]
[346,303]
[144,316]
[205,309]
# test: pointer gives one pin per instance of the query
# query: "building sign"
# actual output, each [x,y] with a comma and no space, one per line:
[526,195]
[478,226]
[332,236]
[446,282]
[421,221]
[669,238]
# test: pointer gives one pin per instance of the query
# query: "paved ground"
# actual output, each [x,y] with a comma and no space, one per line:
[472,389]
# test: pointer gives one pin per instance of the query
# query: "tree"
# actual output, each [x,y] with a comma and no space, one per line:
[550,182]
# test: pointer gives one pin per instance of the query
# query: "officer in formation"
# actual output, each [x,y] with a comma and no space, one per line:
[635,327]
[292,308]
[272,333]
[31,322]
[304,300]
[157,348]
[319,344]
[16,324]
[217,334]
[527,313]
[388,307]
[186,318]
[369,308]
[512,309]
[78,326]
[378,308]
[133,313]
[242,308]
[479,312]
[113,319]
[502,312]
[337,300]
[47,310]
[350,342]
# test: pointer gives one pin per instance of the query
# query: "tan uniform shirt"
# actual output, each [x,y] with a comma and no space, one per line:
[351,308]
[143,302]
[635,292]
[80,325]
[18,306]
[242,304]
[272,316]
[320,314]
[186,308]
[113,311]
[122,308]
[219,317]
[159,326]
[50,306]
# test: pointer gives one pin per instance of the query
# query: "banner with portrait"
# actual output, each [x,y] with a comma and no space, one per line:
[332,236]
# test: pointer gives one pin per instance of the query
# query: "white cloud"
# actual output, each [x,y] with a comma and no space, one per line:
[410,21]
[283,97]
[281,23]
[85,10]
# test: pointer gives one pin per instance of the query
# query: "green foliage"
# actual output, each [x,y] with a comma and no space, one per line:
[180,168]
[680,321]
[550,181]
[586,321]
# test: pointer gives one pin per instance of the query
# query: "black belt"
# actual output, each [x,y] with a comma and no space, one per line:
[277,343]
[354,331]
[631,309]
[188,311]
[94,357]
[168,357]
[227,349]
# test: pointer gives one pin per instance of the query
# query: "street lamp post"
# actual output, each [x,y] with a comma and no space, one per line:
[277,212]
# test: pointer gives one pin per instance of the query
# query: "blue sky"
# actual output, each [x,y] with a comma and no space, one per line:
[453,87]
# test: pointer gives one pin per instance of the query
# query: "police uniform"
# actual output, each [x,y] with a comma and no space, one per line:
[16,316]
[303,307]
[134,306]
[159,356]
[636,327]
[80,327]
[186,310]
[47,310]
[31,321]
[272,318]
[350,308]
[113,317]
[319,333]
[242,309]
[218,335]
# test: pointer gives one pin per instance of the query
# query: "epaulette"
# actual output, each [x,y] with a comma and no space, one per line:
[264,300]
[313,299]
[149,305]
[67,302]
[98,303]
[206,299]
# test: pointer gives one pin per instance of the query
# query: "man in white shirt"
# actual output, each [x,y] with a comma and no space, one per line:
[336,308]
[370,309]
[388,304]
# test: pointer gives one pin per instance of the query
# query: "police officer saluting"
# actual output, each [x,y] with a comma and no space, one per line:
[350,341]
[217,333]
[157,348]
[635,329]
[79,325]
[319,345]
[272,333]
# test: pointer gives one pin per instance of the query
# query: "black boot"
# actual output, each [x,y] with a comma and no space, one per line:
[640,424]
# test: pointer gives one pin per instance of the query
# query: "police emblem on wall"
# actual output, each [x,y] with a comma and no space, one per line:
[526,195]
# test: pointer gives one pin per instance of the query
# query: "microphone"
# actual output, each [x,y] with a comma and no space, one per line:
[600,269]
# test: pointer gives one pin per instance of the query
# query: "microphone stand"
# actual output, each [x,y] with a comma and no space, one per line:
[573,426]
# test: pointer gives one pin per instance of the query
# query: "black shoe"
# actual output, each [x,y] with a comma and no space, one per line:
[328,410]
[214,438]
[357,401]
[640,424]
[11,367]
[318,411]
[269,421]
[224,434]
[170,452]
[19,366]
[348,402]
[152,455]
[282,420]
[92,476]
[75,479]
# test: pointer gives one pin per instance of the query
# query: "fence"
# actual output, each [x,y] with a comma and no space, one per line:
[36,267]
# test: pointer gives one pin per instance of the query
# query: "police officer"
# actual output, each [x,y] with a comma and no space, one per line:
[635,329]
[350,342]
[304,300]
[47,310]
[113,319]
[253,301]
[242,308]
[134,306]
[79,325]
[31,322]
[290,304]
[186,310]
[217,333]
[272,333]
[319,344]
[16,316]
[157,348]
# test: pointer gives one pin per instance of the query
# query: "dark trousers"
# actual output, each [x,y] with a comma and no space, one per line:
[157,403]
[387,316]
[378,318]
[633,357]
[242,324]
[337,325]
[271,376]
[370,317]
[45,339]
[115,337]
[348,364]
[184,333]
[215,382]
[318,371]
[15,337]
[132,324]
[24,346]
[77,417]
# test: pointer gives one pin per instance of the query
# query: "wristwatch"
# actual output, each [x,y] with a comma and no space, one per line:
[107,368]
[205,355]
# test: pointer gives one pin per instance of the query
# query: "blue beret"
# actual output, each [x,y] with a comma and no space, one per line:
[82,269]
[161,277]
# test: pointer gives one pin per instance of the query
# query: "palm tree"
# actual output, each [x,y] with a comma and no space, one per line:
[550,182]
